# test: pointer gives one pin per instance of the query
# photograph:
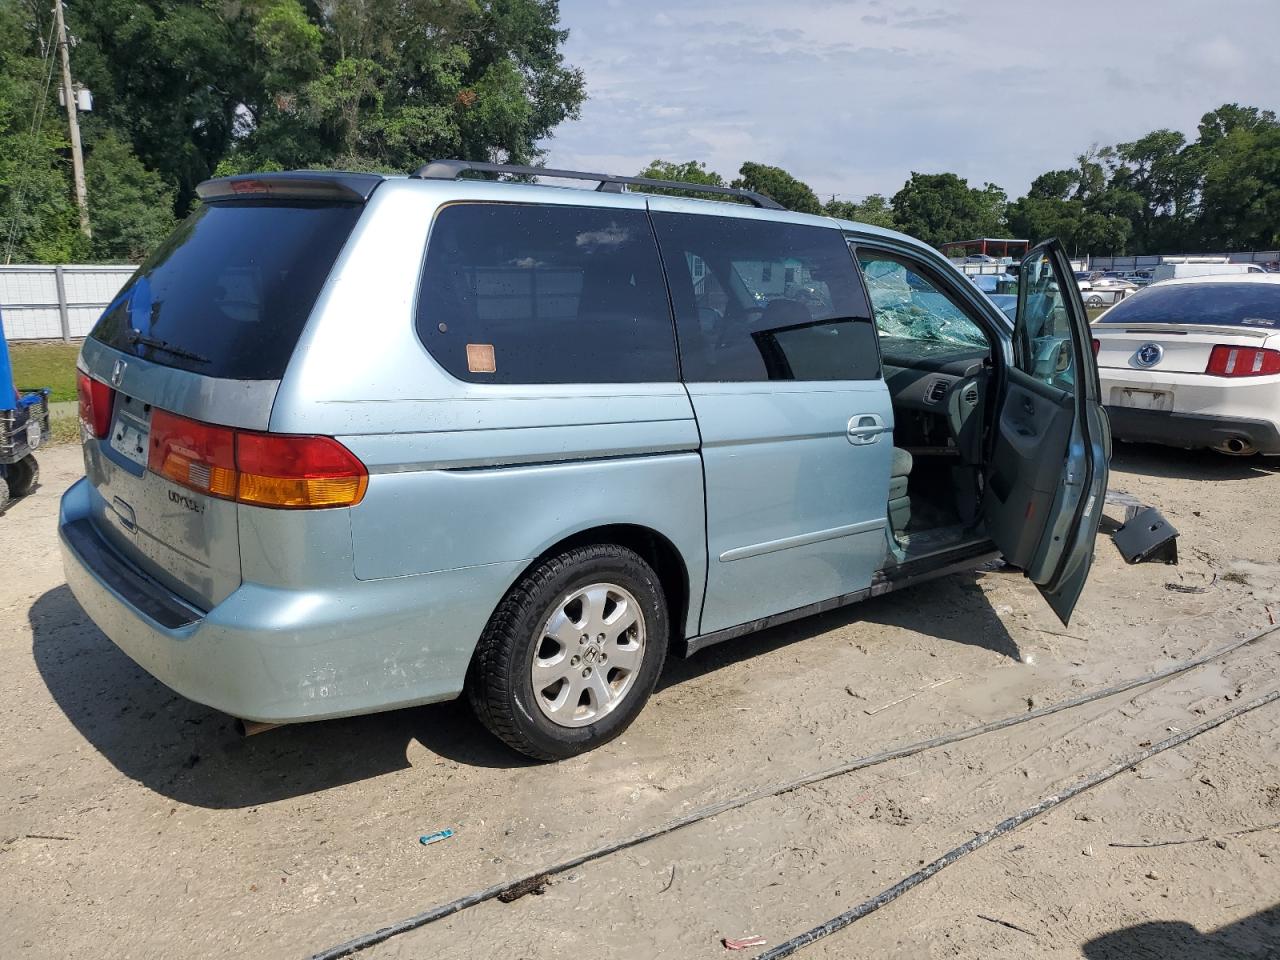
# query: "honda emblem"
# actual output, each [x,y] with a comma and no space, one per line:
[117,373]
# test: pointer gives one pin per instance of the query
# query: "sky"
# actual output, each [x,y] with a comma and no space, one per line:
[851,96]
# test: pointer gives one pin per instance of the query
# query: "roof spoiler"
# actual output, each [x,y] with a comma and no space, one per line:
[453,170]
[334,187]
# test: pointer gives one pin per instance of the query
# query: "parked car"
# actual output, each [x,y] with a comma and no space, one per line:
[1105,290]
[356,442]
[1195,363]
[994,283]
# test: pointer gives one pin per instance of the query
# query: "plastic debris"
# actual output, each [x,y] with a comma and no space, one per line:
[743,943]
[435,837]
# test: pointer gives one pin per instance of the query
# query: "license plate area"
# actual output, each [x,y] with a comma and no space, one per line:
[1142,399]
[131,429]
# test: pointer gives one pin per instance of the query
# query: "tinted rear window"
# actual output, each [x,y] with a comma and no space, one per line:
[762,300]
[1216,304]
[518,293]
[227,294]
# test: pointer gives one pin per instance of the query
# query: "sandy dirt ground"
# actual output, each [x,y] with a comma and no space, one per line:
[134,823]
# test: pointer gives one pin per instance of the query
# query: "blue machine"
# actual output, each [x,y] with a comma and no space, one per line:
[24,426]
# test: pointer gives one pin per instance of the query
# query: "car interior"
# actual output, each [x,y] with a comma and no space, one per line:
[937,365]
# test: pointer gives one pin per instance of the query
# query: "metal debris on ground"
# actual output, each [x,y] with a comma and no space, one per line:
[435,837]
[744,943]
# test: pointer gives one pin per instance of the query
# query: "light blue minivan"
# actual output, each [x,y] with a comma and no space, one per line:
[356,442]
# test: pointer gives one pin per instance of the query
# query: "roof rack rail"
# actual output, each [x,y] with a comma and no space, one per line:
[453,169]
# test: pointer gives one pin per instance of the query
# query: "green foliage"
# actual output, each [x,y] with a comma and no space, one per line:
[939,207]
[691,171]
[781,186]
[1160,193]
[875,210]
[130,207]
[185,90]
[38,220]
[1241,186]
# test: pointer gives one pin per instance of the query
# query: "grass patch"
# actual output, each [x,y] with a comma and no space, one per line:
[64,428]
[50,365]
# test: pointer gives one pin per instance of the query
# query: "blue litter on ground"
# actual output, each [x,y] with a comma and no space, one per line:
[435,837]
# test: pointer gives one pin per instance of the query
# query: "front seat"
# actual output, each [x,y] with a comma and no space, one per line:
[899,502]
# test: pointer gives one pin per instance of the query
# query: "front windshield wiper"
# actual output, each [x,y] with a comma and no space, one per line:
[136,337]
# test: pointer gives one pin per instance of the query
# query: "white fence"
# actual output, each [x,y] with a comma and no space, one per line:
[1155,259]
[60,302]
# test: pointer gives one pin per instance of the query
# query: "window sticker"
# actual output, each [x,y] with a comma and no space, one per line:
[480,358]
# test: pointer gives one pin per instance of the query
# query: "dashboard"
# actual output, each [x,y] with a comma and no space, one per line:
[935,387]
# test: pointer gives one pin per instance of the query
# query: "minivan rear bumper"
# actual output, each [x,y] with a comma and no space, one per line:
[284,655]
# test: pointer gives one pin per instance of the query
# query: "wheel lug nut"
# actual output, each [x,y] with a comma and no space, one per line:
[600,638]
[586,672]
[574,661]
[604,657]
[584,639]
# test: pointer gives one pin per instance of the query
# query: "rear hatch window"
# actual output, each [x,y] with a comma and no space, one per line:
[1253,306]
[227,294]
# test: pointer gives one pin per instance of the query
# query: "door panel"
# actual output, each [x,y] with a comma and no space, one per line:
[1022,481]
[779,356]
[1047,473]
[795,510]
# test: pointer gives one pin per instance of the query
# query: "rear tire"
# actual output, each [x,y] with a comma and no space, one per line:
[24,476]
[572,653]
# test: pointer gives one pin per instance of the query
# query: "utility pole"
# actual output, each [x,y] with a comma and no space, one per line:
[69,95]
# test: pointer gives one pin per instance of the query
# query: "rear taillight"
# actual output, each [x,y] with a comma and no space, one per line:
[196,455]
[95,404]
[1229,361]
[263,469]
[286,471]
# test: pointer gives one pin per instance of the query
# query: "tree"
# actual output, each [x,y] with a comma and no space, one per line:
[1241,189]
[940,207]
[366,84]
[874,210]
[776,183]
[691,171]
[130,207]
[38,220]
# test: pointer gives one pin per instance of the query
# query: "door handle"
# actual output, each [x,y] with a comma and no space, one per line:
[865,428]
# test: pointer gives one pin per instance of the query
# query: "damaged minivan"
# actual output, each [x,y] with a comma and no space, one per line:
[355,442]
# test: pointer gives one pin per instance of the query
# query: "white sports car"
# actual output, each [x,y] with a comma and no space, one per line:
[1195,363]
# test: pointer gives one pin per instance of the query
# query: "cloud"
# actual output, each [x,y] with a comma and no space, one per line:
[852,96]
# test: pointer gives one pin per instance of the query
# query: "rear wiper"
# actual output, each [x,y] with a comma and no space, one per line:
[136,337]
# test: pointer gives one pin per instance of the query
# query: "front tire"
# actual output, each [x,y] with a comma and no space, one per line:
[572,653]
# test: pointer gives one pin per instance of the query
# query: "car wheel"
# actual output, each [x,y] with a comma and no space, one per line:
[24,476]
[1095,301]
[572,653]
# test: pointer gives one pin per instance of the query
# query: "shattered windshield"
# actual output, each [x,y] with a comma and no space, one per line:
[908,306]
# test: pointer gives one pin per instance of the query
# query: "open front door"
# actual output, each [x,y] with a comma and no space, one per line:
[1047,474]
